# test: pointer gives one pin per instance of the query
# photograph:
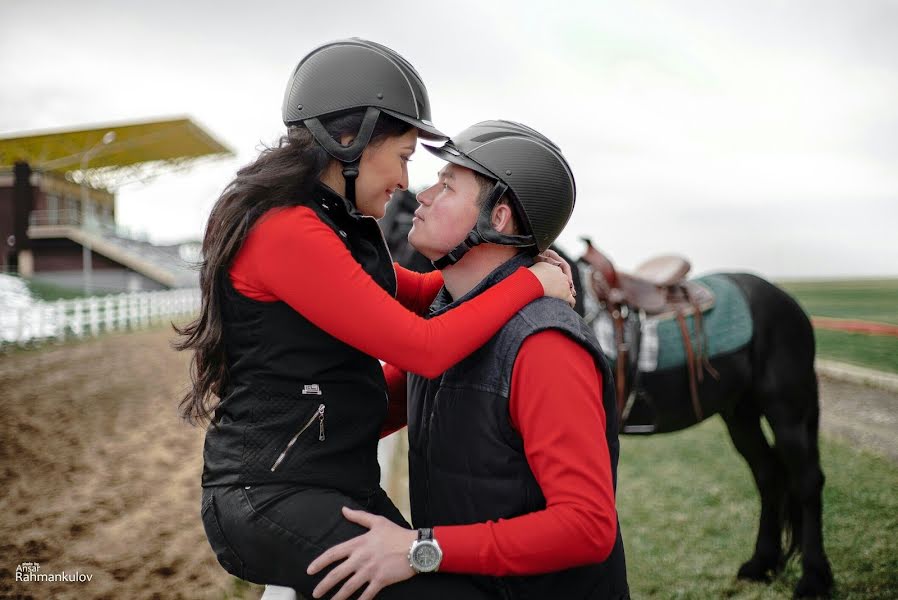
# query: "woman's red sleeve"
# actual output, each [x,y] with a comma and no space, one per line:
[397,392]
[291,255]
[416,291]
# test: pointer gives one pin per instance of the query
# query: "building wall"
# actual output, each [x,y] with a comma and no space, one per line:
[62,254]
[58,261]
[48,191]
[7,218]
[15,205]
[54,192]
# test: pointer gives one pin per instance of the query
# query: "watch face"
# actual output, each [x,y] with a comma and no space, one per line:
[426,556]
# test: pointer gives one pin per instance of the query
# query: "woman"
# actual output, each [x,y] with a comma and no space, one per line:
[300,299]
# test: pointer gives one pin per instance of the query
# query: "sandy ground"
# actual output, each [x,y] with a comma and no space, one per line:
[99,475]
[862,416]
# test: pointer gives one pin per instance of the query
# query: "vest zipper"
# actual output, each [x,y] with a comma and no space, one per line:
[319,414]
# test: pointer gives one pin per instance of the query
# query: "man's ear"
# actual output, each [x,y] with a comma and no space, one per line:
[502,218]
[346,139]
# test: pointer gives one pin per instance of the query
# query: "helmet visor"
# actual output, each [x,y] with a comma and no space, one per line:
[449,153]
[426,129]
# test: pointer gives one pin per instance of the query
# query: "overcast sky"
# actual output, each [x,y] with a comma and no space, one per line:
[759,136]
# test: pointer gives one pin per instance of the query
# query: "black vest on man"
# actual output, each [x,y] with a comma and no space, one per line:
[300,405]
[467,463]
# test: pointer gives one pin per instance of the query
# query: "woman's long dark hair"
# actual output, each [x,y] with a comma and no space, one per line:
[283,175]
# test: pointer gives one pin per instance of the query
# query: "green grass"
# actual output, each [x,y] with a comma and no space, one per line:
[872,351]
[242,590]
[866,299]
[49,292]
[689,516]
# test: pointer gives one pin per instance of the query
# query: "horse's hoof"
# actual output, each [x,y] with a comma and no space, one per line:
[758,569]
[815,583]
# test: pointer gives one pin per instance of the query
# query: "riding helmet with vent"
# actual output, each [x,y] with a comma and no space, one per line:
[354,74]
[527,166]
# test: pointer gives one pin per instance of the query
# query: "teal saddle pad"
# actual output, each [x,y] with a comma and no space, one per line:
[727,326]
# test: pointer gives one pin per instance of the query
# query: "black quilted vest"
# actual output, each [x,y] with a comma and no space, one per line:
[301,406]
[467,462]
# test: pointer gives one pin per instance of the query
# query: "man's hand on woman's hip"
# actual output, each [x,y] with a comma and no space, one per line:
[378,558]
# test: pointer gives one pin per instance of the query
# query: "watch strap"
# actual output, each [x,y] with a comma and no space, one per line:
[425,533]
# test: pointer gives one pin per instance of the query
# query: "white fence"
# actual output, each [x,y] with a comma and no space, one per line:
[81,317]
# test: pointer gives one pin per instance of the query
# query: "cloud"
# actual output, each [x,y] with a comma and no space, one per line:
[758,135]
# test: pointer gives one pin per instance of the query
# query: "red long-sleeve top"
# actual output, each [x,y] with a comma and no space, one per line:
[556,405]
[290,247]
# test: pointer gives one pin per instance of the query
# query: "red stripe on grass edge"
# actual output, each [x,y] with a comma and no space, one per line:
[855,326]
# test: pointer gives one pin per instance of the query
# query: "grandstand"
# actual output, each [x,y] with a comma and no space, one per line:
[57,213]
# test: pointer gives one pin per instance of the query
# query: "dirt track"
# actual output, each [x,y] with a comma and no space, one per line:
[98,475]
[863,416]
[855,326]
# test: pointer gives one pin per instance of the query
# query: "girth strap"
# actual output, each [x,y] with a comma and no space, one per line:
[690,365]
[620,366]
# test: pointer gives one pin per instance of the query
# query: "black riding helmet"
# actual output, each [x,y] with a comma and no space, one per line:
[352,74]
[523,163]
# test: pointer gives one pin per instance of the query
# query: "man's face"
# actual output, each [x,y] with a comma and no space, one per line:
[448,211]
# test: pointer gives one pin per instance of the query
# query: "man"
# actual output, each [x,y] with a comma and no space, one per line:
[513,451]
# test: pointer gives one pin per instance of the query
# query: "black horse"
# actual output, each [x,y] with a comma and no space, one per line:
[771,377]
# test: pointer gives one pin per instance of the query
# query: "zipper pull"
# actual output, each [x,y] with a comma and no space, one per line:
[321,423]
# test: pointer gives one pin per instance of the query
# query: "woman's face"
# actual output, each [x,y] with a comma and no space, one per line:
[383,169]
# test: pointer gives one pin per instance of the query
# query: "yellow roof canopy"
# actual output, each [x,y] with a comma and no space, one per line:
[113,146]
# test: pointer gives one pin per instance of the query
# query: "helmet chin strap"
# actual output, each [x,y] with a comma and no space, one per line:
[350,173]
[483,232]
[350,155]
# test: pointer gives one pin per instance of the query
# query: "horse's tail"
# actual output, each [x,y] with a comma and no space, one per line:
[793,521]
[792,524]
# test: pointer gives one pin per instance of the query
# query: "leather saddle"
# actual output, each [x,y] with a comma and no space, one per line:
[657,288]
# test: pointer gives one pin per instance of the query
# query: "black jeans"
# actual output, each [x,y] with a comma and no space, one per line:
[269,534]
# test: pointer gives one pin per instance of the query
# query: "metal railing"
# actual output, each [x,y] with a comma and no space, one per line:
[64,216]
[72,217]
[60,320]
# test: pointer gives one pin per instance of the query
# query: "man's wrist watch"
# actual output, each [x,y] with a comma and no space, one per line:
[425,554]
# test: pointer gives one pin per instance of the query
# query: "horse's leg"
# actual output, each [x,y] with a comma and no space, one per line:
[785,387]
[744,425]
[795,422]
